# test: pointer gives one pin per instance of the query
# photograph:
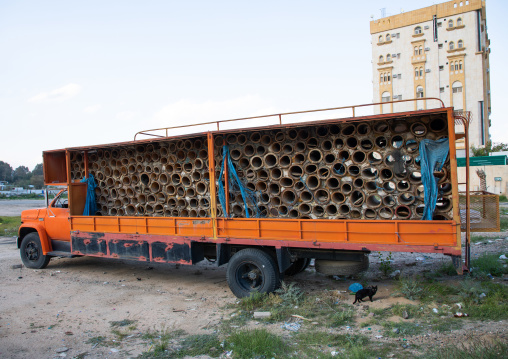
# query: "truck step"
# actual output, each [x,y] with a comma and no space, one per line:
[61,254]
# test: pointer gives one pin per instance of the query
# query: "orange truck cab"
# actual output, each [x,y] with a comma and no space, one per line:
[45,232]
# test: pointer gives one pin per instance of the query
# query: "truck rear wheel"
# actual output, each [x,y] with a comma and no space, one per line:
[31,252]
[342,268]
[252,270]
[297,266]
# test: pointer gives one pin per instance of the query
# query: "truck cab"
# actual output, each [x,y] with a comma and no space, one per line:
[45,232]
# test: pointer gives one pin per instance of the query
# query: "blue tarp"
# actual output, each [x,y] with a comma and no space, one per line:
[235,185]
[432,157]
[90,205]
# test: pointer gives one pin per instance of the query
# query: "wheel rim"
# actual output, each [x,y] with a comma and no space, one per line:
[32,251]
[250,277]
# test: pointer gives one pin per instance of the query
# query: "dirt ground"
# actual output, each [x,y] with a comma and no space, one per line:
[75,300]
[13,207]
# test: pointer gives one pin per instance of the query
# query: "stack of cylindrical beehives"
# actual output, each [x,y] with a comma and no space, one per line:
[355,170]
[167,178]
[77,165]
[345,170]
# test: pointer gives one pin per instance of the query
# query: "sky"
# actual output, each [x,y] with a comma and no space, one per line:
[76,73]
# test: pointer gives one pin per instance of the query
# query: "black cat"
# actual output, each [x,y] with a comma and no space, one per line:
[365,292]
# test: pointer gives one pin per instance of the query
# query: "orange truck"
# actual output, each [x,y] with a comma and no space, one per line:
[263,200]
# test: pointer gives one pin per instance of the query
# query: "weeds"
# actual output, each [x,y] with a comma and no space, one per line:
[199,344]
[257,343]
[122,323]
[488,264]
[342,317]
[290,294]
[410,288]
[472,348]
[385,263]
[9,226]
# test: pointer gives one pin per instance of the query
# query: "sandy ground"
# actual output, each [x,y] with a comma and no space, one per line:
[74,300]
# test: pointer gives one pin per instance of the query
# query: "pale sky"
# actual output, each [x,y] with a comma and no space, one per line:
[78,73]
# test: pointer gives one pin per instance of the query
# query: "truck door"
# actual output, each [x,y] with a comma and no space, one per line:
[56,221]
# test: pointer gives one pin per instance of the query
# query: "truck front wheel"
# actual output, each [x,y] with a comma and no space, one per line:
[31,252]
[252,270]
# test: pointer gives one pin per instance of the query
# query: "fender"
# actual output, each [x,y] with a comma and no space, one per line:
[26,228]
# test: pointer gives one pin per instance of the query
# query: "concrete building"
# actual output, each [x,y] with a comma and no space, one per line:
[440,51]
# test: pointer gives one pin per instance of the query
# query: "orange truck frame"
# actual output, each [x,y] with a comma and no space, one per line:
[258,251]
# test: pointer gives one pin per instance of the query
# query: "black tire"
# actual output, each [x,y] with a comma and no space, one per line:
[31,252]
[252,270]
[297,266]
[342,268]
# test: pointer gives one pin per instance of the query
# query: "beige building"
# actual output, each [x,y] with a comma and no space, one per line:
[440,51]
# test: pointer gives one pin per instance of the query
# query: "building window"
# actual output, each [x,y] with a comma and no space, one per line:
[439,24]
[388,58]
[420,50]
[460,65]
[460,44]
[385,78]
[459,21]
[421,71]
[457,87]
[398,55]
[385,97]
[416,72]
[399,76]
[419,92]
[380,39]
[451,66]
[452,45]
[450,23]
[381,78]
[456,66]
[441,68]
[381,58]
[416,51]
[440,46]
[441,89]
[387,37]
[418,30]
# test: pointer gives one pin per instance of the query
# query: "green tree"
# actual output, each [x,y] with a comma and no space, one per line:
[22,173]
[489,147]
[5,171]
[37,170]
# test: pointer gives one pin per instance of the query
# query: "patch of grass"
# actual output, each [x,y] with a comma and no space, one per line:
[255,300]
[471,349]
[478,239]
[199,344]
[160,344]
[99,340]
[503,198]
[405,328]
[503,223]
[122,323]
[488,263]
[23,196]
[446,270]
[494,306]
[413,311]
[257,343]
[342,316]
[9,225]
[410,288]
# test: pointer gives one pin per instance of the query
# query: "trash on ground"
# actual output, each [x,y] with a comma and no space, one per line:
[459,314]
[62,350]
[262,314]
[294,327]
[502,256]
[355,287]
